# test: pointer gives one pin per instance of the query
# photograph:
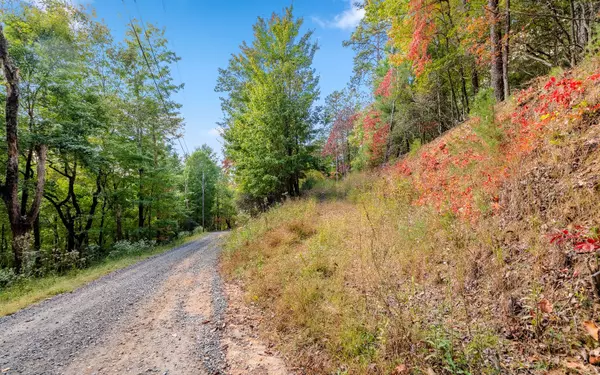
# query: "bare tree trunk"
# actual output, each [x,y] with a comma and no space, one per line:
[505,55]
[141,202]
[474,79]
[3,239]
[573,34]
[102,220]
[37,238]
[388,145]
[20,224]
[496,41]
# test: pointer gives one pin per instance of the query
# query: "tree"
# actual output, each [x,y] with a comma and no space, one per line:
[340,114]
[21,219]
[368,41]
[270,89]
[497,63]
[91,126]
[202,174]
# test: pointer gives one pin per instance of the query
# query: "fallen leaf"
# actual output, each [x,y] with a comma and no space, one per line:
[400,369]
[595,357]
[545,306]
[574,365]
[591,328]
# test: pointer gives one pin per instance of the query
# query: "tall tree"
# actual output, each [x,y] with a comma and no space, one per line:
[497,64]
[270,90]
[202,174]
[21,219]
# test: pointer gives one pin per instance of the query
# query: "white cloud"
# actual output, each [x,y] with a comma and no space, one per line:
[216,132]
[347,20]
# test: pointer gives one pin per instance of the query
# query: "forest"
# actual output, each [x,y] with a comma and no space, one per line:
[435,214]
[420,68]
[93,160]
[92,133]
[449,220]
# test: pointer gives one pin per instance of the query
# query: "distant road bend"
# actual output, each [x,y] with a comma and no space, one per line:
[164,315]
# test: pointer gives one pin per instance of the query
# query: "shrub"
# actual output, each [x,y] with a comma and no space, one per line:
[7,277]
[126,248]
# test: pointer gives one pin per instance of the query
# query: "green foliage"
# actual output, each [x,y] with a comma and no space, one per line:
[7,277]
[106,111]
[270,89]
[484,114]
[126,248]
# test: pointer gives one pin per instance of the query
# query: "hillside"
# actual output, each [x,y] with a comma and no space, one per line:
[475,254]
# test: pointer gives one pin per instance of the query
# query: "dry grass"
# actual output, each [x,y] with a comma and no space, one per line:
[368,281]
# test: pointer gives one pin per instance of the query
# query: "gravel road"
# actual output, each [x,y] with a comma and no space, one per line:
[164,315]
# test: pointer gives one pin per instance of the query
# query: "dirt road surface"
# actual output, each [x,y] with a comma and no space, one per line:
[165,315]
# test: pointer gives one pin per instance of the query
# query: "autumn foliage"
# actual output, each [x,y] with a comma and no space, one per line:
[460,174]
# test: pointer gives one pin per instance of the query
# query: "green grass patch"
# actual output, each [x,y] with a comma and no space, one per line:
[29,291]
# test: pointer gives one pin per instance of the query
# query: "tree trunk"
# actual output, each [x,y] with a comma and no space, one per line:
[20,224]
[37,238]
[506,51]
[20,243]
[463,86]
[102,220]
[496,41]
[37,241]
[573,34]
[119,223]
[388,145]
[475,79]
[141,202]
[83,236]
[3,239]
[70,237]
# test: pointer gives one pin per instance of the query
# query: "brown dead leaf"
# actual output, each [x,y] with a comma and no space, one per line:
[595,357]
[574,365]
[591,328]
[545,306]
[400,369]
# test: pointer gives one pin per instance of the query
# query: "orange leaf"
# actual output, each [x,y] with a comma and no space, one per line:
[591,328]
[545,306]
[400,369]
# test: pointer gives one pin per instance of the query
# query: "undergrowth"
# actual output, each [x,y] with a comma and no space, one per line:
[27,291]
[473,255]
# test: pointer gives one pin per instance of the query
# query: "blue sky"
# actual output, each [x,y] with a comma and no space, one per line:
[205,34]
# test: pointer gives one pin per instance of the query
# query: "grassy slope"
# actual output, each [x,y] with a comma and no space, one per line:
[443,263]
[30,291]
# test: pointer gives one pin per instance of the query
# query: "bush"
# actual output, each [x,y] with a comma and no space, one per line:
[311,179]
[126,248]
[483,110]
[7,277]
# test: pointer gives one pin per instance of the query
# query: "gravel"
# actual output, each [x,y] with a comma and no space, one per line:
[45,338]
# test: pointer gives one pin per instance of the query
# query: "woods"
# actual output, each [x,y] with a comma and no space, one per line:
[92,134]
[269,116]
[422,66]
[94,154]
[454,229]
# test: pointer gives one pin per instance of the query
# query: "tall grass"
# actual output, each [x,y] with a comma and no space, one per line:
[364,276]
[353,280]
